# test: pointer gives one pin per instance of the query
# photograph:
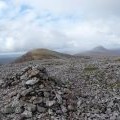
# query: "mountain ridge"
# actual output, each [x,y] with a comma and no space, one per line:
[39,54]
[99,48]
[100,51]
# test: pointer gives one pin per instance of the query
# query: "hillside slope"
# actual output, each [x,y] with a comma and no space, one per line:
[39,54]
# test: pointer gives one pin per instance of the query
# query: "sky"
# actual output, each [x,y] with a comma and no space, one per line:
[61,25]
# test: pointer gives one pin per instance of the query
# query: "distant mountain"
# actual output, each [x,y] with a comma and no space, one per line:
[39,54]
[100,51]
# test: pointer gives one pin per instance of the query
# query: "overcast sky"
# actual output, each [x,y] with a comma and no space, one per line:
[62,25]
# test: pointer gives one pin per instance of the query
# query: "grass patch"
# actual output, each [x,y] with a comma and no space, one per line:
[114,85]
[90,68]
[117,60]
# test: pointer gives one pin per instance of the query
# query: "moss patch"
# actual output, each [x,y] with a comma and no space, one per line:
[90,68]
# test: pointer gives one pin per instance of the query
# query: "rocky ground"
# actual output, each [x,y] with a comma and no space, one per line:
[61,89]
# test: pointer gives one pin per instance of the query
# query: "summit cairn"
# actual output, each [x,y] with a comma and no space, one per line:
[34,95]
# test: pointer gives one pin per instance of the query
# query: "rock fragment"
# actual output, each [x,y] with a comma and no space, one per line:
[8,109]
[41,109]
[27,114]
[50,103]
[32,81]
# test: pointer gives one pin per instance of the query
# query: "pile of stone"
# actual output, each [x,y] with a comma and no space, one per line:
[31,94]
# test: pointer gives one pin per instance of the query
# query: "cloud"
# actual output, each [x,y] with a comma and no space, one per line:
[63,25]
[2,5]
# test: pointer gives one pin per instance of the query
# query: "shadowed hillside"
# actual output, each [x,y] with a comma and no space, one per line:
[39,54]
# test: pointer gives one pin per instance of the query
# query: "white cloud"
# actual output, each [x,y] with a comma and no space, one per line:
[85,7]
[9,46]
[2,5]
[64,25]
[54,6]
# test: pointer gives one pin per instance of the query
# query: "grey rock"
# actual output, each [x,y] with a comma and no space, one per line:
[64,109]
[34,72]
[18,110]
[23,77]
[59,98]
[79,103]
[71,107]
[1,82]
[17,105]
[31,107]
[26,91]
[38,100]
[41,86]
[27,114]
[41,109]
[50,111]
[19,117]
[14,93]
[50,103]
[32,81]
[41,115]
[46,94]
[59,112]
[8,109]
